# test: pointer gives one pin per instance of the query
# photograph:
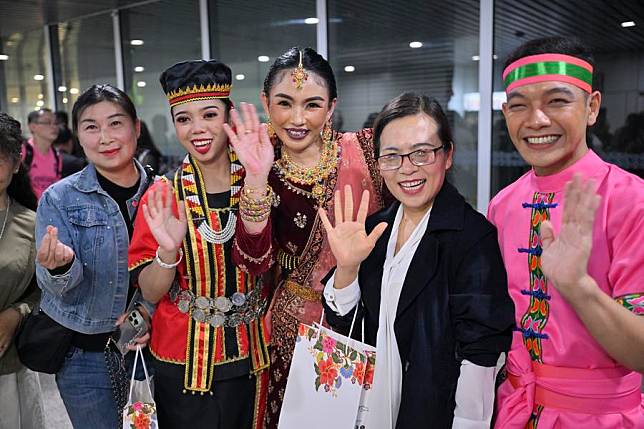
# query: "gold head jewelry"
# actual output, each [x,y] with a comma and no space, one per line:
[299,75]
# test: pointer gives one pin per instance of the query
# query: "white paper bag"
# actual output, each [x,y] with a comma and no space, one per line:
[140,411]
[326,381]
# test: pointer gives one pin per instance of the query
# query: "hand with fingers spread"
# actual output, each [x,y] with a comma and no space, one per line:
[348,239]
[564,260]
[52,253]
[166,228]
[252,145]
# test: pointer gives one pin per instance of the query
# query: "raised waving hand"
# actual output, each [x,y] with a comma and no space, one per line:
[168,230]
[565,257]
[252,145]
[348,239]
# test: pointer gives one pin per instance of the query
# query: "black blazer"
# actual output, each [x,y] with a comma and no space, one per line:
[454,305]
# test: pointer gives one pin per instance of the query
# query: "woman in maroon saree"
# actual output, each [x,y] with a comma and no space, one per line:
[278,223]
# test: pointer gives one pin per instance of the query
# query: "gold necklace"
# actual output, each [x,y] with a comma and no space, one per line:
[311,175]
[6,215]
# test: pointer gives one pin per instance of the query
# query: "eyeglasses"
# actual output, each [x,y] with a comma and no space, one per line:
[47,123]
[418,157]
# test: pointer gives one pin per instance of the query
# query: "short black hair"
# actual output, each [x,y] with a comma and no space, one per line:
[311,61]
[97,93]
[35,114]
[410,104]
[552,45]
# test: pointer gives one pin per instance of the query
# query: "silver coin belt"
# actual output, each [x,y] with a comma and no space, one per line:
[228,312]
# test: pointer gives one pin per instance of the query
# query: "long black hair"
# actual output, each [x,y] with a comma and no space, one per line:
[311,61]
[11,142]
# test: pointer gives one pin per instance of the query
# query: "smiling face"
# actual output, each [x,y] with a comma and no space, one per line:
[199,128]
[108,136]
[298,115]
[414,186]
[547,123]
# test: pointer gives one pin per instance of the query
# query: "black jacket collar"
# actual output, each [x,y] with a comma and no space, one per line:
[448,213]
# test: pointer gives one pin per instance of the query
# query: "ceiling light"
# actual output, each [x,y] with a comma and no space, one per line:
[139,69]
[415,45]
[136,42]
[40,96]
[626,24]
[38,77]
[240,76]
[495,57]
[4,57]
[311,21]
[263,59]
[40,103]
[73,90]
[62,88]
[475,58]
[141,84]
[65,100]
[15,100]
[349,69]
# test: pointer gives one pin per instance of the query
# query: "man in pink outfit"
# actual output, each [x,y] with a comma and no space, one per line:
[40,156]
[570,231]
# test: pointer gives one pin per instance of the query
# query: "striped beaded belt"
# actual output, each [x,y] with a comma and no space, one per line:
[228,312]
[306,293]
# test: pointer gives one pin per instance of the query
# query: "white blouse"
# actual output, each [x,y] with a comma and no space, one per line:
[475,388]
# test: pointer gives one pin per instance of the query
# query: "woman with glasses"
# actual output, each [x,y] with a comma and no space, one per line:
[426,277]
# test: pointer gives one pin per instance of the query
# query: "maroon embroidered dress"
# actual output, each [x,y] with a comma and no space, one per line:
[294,237]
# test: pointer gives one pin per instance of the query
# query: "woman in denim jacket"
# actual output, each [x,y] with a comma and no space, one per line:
[83,226]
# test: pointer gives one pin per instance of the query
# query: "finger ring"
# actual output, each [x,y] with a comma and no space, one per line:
[248,131]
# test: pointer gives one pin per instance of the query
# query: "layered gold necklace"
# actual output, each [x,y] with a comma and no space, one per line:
[315,175]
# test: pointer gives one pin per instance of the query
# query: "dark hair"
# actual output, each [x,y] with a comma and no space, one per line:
[410,104]
[35,114]
[311,61]
[97,93]
[552,45]
[62,117]
[11,142]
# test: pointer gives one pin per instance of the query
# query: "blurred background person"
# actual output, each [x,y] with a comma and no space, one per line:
[39,155]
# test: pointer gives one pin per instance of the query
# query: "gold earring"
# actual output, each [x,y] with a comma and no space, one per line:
[327,131]
[270,129]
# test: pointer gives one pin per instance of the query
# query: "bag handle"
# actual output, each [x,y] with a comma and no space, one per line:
[145,370]
[355,314]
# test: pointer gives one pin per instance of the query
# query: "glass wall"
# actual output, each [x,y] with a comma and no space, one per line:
[154,37]
[426,47]
[249,35]
[618,49]
[86,57]
[24,74]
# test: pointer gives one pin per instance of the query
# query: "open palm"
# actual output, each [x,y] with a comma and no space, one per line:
[564,260]
[348,240]
[251,143]
[168,230]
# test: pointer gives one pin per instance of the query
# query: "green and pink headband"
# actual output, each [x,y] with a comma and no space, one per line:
[549,67]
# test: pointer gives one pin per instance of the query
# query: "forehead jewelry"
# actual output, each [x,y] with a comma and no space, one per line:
[299,75]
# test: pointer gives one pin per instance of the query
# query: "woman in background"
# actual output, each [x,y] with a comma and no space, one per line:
[20,396]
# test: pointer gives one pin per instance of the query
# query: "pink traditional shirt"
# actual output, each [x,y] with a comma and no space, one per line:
[550,383]
[45,169]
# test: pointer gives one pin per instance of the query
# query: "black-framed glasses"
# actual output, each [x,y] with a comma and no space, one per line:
[418,157]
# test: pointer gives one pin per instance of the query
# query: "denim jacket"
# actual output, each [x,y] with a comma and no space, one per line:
[92,294]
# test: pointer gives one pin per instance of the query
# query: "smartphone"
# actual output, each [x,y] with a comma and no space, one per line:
[133,327]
